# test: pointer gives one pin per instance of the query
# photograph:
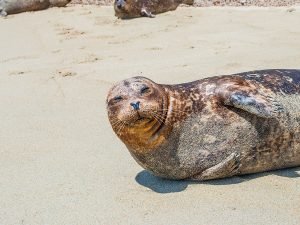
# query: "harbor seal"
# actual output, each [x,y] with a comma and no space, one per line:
[126,9]
[211,128]
[18,6]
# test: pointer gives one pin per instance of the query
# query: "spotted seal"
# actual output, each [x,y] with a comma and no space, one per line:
[211,128]
[126,9]
[17,6]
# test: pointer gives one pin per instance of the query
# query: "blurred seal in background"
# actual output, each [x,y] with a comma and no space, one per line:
[18,6]
[126,9]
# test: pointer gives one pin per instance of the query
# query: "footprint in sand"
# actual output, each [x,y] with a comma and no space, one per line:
[17,58]
[89,59]
[182,65]
[68,10]
[16,73]
[104,37]
[154,48]
[67,32]
[66,73]
[104,21]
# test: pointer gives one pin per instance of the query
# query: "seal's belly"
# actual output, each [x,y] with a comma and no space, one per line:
[208,139]
[200,143]
[204,141]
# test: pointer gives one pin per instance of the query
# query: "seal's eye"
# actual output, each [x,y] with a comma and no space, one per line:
[145,90]
[117,98]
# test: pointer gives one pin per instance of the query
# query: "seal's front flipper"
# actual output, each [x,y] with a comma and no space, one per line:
[145,13]
[227,168]
[258,104]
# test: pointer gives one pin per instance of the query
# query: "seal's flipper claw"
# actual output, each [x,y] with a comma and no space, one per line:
[3,12]
[145,13]
[226,168]
[151,15]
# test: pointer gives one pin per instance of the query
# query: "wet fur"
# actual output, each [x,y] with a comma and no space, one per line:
[222,126]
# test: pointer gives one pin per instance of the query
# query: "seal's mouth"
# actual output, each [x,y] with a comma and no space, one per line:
[138,120]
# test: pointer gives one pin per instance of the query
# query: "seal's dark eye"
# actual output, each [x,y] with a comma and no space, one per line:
[117,98]
[145,90]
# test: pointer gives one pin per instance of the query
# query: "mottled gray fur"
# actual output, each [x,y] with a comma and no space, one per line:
[228,125]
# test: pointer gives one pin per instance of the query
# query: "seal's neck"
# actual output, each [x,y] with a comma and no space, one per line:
[183,100]
[145,139]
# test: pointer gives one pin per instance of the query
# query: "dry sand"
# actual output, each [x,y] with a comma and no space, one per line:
[206,3]
[60,162]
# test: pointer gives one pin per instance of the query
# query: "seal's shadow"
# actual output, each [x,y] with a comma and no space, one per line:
[165,186]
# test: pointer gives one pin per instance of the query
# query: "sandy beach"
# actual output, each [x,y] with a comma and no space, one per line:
[61,163]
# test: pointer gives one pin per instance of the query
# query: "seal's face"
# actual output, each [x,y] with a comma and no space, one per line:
[127,9]
[135,102]
[121,7]
[120,4]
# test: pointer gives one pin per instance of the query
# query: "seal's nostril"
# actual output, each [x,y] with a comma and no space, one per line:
[119,6]
[135,105]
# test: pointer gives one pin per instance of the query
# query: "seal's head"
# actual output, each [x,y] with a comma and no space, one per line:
[136,108]
[124,9]
[120,7]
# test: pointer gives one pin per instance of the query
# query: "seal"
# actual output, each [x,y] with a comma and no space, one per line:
[126,9]
[211,128]
[18,6]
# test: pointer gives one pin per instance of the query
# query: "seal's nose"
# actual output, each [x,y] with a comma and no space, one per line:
[120,4]
[135,105]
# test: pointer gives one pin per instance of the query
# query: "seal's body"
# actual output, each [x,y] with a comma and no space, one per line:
[18,6]
[126,9]
[212,128]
